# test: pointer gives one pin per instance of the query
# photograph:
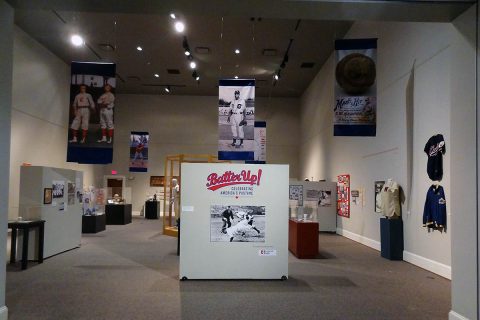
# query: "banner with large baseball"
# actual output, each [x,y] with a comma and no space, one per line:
[355,111]
[92,100]
[139,151]
[236,117]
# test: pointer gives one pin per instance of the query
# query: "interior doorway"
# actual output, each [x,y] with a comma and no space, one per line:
[114,185]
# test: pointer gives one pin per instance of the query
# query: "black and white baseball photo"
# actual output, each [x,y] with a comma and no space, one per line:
[236,117]
[234,223]
[58,189]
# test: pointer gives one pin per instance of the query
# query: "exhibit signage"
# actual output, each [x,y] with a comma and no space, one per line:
[236,215]
[91,113]
[236,117]
[355,106]
[260,139]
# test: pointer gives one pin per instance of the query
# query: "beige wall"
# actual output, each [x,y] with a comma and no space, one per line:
[188,125]
[417,71]
[40,102]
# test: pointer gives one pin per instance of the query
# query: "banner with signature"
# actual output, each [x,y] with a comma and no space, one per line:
[355,110]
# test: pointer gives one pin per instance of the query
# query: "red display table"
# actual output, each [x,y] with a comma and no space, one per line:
[303,239]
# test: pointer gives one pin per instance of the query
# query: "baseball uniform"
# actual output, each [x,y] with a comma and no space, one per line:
[82,104]
[237,111]
[435,209]
[105,102]
[435,149]
[242,227]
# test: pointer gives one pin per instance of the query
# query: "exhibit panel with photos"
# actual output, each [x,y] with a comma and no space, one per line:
[52,194]
[234,221]
[314,201]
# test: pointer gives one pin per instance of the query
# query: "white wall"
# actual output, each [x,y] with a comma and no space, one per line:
[189,125]
[415,71]
[40,100]
[6,61]
[463,124]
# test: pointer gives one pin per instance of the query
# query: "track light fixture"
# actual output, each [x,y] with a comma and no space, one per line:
[167,89]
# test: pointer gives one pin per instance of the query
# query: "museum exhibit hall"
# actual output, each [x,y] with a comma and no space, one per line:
[312,159]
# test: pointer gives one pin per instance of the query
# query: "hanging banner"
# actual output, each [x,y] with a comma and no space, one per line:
[260,139]
[355,110]
[236,117]
[343,195]
[138,151]
[92,98]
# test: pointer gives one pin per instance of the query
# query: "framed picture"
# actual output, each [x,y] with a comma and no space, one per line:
[157,181]
[47,195]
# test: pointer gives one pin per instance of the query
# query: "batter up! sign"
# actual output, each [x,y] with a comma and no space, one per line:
[234,184]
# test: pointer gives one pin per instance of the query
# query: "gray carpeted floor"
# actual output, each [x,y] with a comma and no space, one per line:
[131,272]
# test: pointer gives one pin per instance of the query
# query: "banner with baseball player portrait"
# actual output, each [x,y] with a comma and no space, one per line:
[355,110]
[236,117]
[92,100]
[138,151]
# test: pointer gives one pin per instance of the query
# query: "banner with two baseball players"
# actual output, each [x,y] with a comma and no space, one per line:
[355,109]
[91,121]
[236,117]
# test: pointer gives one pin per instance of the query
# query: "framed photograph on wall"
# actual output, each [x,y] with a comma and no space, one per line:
[47,195]
[157,181]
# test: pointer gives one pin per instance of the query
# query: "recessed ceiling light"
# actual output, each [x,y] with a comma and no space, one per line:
[187,53]
[156,75]
[77,40]
[236,77]
[237,51]
[139,48]
[179,26]
[173,16]
[193,65]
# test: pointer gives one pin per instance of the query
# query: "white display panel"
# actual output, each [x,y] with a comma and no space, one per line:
[260,191]
[63,216]
[318,199]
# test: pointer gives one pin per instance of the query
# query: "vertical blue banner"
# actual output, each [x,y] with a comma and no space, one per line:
[91,121]
[236,117]
[355,109]
[139,151]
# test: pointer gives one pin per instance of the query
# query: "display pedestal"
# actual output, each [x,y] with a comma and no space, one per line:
[93,224]
[152,209]
[303,239]
[391,236]
[118,213]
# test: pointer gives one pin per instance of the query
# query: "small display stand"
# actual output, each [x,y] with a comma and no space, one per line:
[93,224]
[152,209]
[118,213]
[303,238]
[25,226]
[391,236]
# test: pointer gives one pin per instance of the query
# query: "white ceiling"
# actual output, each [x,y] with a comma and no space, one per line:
[130,24]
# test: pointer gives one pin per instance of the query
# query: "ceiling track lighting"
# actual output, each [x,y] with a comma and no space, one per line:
[167,89]
[173,16]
